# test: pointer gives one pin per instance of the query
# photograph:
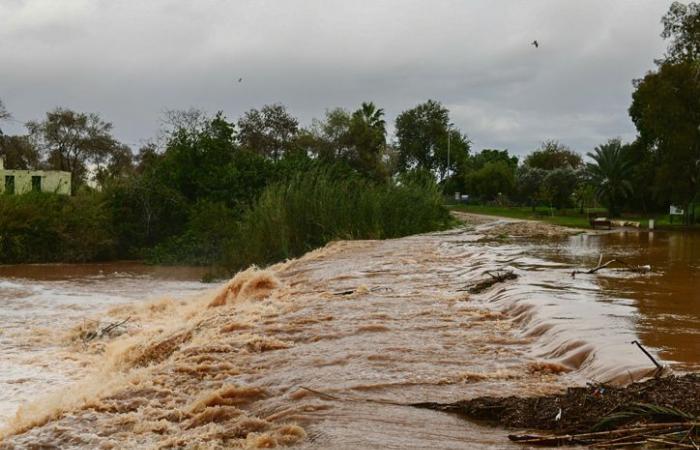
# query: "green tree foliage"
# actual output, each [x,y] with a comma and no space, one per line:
[366,141]
[119,164]
[643,161]
[478,160]
[558,186]
[199,196]
[19,152]
[316,207]
[666,111]
[422,136]
[357,139]
[71,141]
[528,181]
[269,131]
[494,179]
[39,227]
[611,173]
[584,196]
[682,27]
[553,155]
[326,139]
[490,173]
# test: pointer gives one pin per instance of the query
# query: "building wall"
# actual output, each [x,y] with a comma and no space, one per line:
[51,181]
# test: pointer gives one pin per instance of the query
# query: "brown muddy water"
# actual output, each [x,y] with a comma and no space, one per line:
[369,322]
[40,303]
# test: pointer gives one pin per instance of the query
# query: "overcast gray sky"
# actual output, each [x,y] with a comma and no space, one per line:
[129,60]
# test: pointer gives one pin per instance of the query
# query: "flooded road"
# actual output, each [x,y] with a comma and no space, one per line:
[372,325]
[665,303]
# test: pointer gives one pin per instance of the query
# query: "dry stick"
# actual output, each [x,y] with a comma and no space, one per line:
[595,269]
[672,444]
[651,426]
[693,442]
[656,363]
[646,434]
[623,444]
[602,266]
[113,326]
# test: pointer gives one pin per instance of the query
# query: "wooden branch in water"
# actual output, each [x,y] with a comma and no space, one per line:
[656,363]
[97,333]
[601,265]
[113,326]
[498,276]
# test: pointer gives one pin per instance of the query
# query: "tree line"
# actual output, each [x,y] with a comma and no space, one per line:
[186,196]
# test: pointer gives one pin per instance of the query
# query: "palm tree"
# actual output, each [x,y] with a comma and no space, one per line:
[373,116]
[611,171]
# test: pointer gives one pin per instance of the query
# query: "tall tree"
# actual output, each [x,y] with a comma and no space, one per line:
[490,173]
[558,186]
[682,28]
[269,131]
[528,181]
[424,134]
[366,139]
[357,139]
[553,155]
[666,111]
[493,179]
[611,172]
[72,141]
[118,165]
[326,138]
[19,152]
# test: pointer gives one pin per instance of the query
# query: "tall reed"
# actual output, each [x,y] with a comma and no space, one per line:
[316,207]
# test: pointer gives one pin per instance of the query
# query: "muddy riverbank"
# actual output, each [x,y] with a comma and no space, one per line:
[389,320]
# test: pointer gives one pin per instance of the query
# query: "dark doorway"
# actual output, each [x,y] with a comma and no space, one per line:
[36,184]
[9,184]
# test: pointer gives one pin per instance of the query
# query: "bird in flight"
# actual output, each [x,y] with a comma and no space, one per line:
[240,79]
[535,43]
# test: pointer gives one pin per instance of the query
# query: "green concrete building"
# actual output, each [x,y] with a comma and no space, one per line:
[21,181]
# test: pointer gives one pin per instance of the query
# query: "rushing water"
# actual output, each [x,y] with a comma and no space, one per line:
[368,321]
[39,301]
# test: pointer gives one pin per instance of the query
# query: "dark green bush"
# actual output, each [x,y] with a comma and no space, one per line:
[41,227]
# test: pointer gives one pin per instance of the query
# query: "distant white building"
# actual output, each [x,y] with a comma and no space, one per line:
[22,181]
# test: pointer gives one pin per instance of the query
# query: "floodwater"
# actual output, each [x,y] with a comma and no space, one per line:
[40,303]
[371,324]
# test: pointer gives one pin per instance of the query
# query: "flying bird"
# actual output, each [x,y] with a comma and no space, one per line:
[240,79]
[535,43]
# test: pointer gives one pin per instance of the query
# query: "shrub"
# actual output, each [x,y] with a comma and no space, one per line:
[42,227]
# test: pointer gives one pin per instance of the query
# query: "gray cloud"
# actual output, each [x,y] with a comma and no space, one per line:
[129,60]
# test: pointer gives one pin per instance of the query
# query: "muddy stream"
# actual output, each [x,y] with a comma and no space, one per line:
[368,322]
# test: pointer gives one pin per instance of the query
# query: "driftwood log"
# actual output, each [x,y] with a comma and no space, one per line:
[602,265]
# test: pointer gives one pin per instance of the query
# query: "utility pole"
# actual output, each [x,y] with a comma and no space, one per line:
[449,137]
